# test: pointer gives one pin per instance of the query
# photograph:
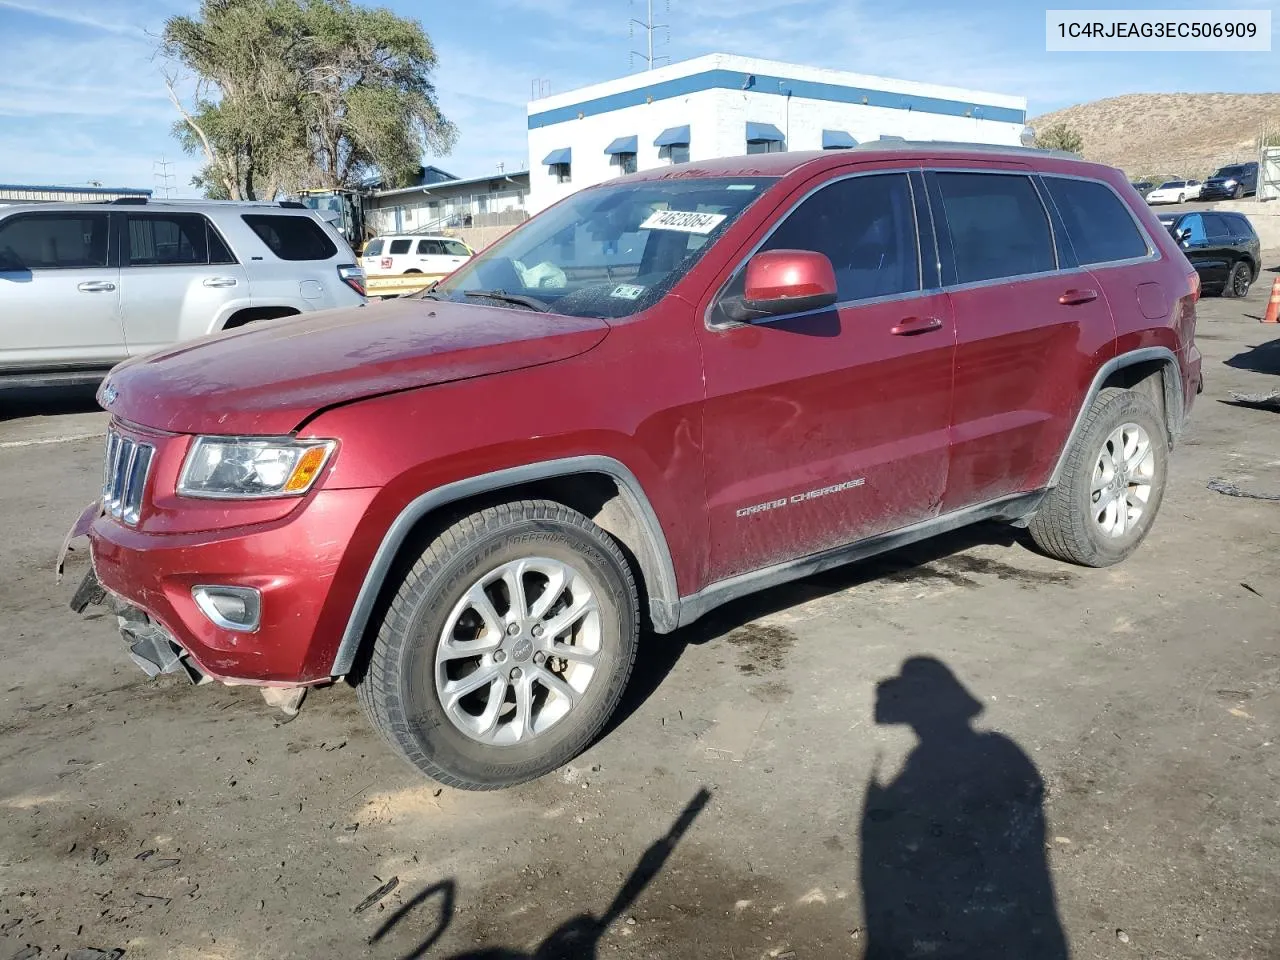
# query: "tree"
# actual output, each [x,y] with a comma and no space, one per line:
[303,93]
[1060,136]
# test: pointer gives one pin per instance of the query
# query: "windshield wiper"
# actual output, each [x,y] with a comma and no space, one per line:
[533,303]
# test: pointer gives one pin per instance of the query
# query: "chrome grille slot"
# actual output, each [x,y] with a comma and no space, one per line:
[125,476]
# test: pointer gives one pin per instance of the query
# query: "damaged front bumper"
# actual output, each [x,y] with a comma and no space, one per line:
[150,645]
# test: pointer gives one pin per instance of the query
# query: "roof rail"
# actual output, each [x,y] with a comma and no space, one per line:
[179,201]
[898,144]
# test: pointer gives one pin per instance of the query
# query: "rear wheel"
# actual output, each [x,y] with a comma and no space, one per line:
[1238,280]
[1182,198]
[507,647]
[1111,485]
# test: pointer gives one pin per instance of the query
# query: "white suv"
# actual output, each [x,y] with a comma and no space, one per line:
[412,253]
[84,285]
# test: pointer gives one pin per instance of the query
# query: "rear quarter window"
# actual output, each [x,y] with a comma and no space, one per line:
[1241,223]
[1098,223]
[291,237]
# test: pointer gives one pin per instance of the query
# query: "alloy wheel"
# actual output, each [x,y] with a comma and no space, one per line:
[518,651]
[1122,480]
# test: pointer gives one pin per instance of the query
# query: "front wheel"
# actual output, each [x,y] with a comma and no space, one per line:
[1237,193]
[1182,198]
[1111,485]
[1238,280]
[506,648]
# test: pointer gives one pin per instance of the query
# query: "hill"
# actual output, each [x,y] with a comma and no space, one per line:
[1171,134]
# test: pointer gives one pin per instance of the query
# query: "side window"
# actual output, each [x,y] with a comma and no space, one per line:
[219,252]
[167,239]
[1195,223]
[998,226]
[1098,222]
[399,246]
[866,227]
[1243,228]
[291,237]
[1216,227]
[430,248]
[455,248]
[53,242]
[373,248]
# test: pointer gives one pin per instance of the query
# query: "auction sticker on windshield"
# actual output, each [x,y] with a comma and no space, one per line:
[685,221]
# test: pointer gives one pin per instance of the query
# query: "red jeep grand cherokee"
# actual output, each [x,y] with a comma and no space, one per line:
[662,393]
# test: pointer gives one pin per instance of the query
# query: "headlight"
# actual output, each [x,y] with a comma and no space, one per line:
[245,468]
[1228,183]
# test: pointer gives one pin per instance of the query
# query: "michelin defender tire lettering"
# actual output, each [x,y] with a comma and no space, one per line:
[400,689]
[1066,524]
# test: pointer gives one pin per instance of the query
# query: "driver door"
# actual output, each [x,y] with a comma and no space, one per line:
[831,426]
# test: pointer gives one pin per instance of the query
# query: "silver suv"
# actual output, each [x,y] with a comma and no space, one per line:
[86,285]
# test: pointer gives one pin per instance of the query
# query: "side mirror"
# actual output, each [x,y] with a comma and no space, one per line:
[1183,234]
[784,281]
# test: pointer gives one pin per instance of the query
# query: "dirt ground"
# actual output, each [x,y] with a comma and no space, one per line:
[1119,795]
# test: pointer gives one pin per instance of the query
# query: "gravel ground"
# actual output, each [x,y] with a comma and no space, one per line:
[1095,775]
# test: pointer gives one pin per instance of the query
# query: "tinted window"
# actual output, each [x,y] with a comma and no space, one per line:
[374,247]
[400,246]
[1241,227]
[1098,222]
[55,242]
[1194,222]
[430,248]
[219,252]
[1237,172]
[1216,227]
[997,224]
[166,239]
[866,227]
[291,238]
[1172,184]
[455,249]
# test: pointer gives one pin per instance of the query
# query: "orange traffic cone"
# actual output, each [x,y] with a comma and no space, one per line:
[1273,308]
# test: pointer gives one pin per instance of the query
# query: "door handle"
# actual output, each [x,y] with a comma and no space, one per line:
[1073,298]
[96,286]
[220,281]
[913,325]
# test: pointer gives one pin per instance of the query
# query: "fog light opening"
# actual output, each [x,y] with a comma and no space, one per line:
[231,608]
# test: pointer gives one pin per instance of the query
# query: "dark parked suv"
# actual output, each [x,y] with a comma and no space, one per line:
[664,392]
[1231,183]
[1222,246]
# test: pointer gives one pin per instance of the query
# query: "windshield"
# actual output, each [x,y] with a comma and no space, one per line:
[1172,184]
[1230,172]
[609,251]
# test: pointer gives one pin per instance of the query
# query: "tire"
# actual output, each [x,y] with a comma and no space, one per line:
[1237,193]
[1182,198]
[1238,280]
[1066,525]
[411,270]
[400,690]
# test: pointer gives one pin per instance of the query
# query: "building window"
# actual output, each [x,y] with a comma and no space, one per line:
[765,138]
[561,172]
[625,162]
[766,146]
[675,153]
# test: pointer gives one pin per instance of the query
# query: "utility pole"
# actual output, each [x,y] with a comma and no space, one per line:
[650,28]
[163,178]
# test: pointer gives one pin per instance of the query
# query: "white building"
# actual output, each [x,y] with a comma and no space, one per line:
[721,105]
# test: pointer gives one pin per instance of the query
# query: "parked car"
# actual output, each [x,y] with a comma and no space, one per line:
[1175,191]
[1222,246]
[84,286]
[467,503]
[1232,182]
[1143,187]
[409,253]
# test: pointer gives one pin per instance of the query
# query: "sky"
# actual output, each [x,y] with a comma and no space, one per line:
[82,95]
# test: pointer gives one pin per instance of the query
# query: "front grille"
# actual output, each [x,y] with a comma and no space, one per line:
[125,476]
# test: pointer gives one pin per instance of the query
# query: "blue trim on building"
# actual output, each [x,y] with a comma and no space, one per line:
[837,140]
[763,133]
[673,136]
[563,155]
[623,145]
[124,191]
[780,86]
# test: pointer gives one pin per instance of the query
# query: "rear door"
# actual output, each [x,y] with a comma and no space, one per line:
[399,256]
[178,279]
[371,258]
[826,427]
[59,291]
[1210,257]
[1031,326]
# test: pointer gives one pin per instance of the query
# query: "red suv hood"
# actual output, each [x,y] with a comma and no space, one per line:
[266,379]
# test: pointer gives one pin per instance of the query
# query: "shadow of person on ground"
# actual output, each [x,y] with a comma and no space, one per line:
[579,937]
[953,848]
